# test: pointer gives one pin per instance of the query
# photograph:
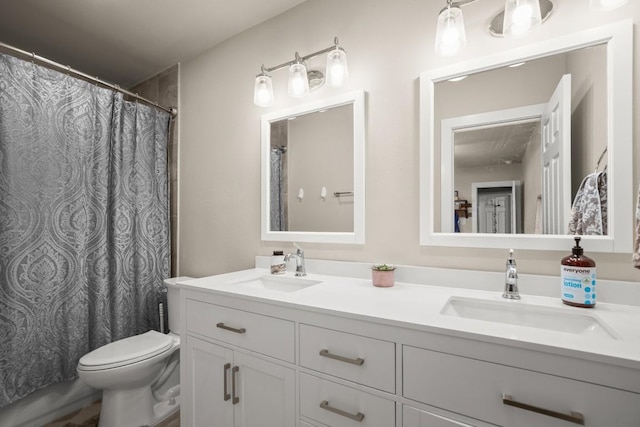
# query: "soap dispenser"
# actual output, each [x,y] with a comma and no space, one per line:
[578,278]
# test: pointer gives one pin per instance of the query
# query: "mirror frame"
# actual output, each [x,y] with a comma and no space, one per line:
[357,99]
[619,39]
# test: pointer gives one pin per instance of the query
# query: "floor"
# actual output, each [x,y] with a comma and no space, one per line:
[89,416]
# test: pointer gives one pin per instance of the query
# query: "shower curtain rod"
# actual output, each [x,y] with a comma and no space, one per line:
[171,110]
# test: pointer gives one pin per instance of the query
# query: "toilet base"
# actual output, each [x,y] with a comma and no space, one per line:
[127,408]
[135,407]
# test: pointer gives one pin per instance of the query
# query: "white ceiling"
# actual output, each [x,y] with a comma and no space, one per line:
[495,145]
[128,41]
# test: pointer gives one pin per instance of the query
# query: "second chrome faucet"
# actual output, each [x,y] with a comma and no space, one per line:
[301,269]
[511,279]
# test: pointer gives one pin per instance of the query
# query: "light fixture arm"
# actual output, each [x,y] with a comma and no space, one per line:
[299,59]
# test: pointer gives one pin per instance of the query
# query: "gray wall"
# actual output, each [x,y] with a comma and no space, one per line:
[389,44]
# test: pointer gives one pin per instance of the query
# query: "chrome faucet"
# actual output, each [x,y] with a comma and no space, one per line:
[511,279]
[301,270]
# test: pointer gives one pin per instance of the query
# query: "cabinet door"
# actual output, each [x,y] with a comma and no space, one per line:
[412,417]
[209,369]
[266,392]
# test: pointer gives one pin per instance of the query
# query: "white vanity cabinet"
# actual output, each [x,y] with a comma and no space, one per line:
[412,417]
[228,386]
[510,396]
[252,361]
[361,360]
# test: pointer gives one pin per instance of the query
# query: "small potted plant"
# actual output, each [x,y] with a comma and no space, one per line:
[383,275]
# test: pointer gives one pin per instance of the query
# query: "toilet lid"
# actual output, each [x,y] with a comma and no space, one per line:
[126,351]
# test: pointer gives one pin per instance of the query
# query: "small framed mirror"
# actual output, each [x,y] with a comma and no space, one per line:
[492,173]
[313,171]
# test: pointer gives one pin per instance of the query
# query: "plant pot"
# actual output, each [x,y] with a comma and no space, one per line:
[383,278]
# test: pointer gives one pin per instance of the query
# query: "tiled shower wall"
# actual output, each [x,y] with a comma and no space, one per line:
[163,89]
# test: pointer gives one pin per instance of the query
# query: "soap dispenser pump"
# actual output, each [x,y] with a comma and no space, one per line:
[578,278]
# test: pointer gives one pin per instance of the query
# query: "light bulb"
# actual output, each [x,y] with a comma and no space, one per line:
[450,35]
[263,91]
[298,81]
[337,70]
[520,16]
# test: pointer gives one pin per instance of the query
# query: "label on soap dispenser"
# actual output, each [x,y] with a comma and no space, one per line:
[578,284]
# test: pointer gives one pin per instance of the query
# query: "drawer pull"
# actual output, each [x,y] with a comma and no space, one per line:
[229,328]
[325,405]
[359,361]
[227,396]
[235,399]
[574,417]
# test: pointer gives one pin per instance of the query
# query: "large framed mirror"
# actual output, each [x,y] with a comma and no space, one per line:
[507,140]
[313,171]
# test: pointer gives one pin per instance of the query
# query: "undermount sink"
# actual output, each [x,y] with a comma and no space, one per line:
[277,283]
[532,316]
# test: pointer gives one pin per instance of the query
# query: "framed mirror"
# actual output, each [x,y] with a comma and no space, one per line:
[313,171]
[495,120]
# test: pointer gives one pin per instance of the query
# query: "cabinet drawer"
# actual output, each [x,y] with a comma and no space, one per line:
[356,358]
[263,334]
[337,406]
[476,389]
[412,417]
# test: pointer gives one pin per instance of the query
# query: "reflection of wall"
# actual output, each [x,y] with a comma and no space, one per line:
[466,176]
[588,119]
[321,155]
[532,182]
[389,43]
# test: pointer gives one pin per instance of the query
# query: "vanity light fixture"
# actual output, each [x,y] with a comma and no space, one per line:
[517,19]
[301,80]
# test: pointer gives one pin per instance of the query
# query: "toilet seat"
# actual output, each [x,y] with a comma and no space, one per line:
[126,351]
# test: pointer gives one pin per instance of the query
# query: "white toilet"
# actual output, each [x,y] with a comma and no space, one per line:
[128,369]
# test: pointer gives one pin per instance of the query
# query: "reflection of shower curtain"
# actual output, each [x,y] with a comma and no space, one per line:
[278,192]
[84,222]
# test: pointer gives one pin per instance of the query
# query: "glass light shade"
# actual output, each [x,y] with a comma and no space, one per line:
[607,4]
[450,34]
[298,81]
[337,71]
[263,91]
[520,16]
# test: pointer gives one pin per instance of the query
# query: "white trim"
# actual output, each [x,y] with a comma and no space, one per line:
[357,98]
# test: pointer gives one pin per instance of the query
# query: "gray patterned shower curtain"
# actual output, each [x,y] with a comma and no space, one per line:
[84,222]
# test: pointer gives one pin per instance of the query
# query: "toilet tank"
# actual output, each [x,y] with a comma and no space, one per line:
[173,302]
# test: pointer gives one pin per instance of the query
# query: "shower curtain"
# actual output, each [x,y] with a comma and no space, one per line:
[84,222]
[277,190]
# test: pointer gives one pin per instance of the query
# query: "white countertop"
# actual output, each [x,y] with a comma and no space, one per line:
[419,307]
